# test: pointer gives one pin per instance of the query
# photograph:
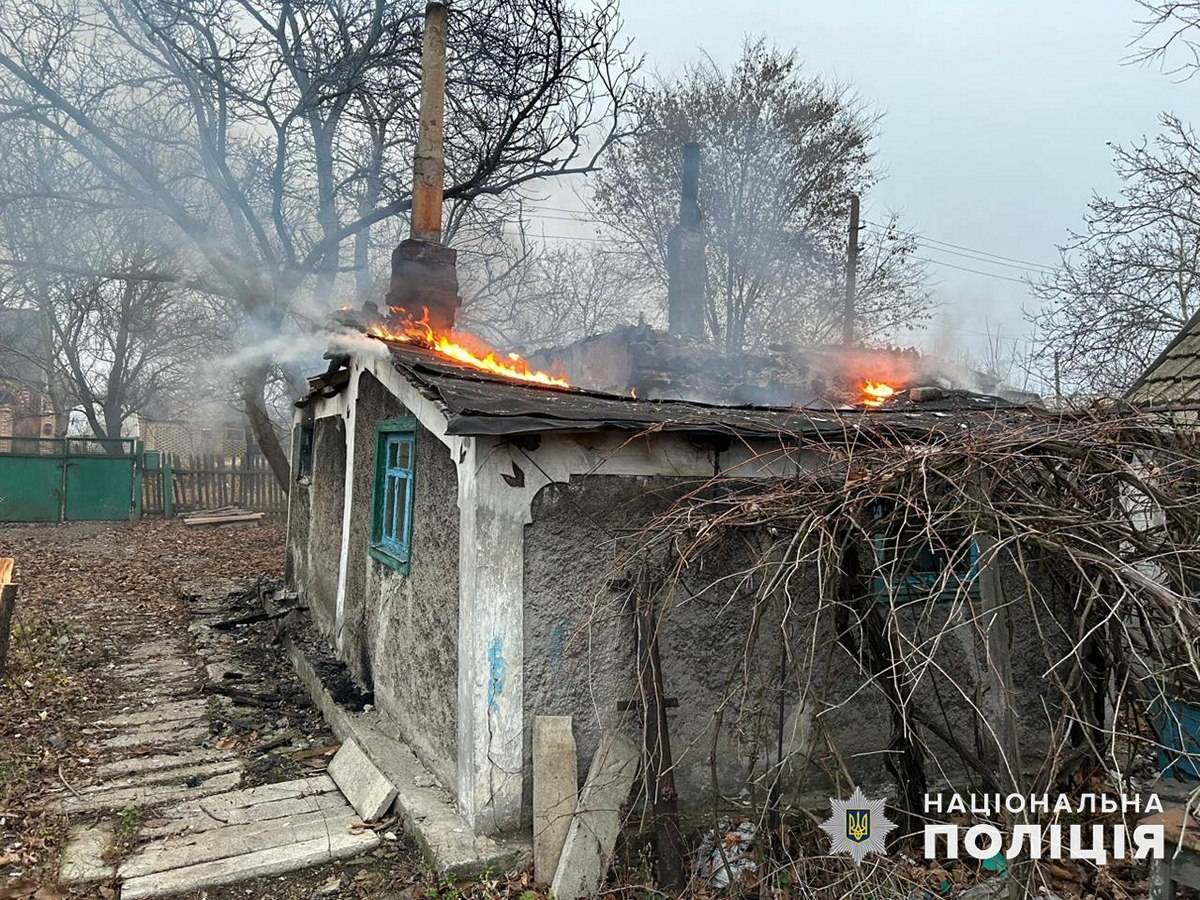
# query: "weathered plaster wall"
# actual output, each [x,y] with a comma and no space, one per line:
[579,639]
[327,498]
[400,631]
[579,659]
[314,539]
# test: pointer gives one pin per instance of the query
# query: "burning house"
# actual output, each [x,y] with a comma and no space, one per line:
[459,532]
[456,526]
[454,540]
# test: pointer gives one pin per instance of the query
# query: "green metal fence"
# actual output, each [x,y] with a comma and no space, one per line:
[70,480]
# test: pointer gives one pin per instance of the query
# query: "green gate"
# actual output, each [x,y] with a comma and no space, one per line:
[69,480]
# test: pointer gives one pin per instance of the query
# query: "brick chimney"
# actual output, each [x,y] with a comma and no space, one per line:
[424,276]
[685,255]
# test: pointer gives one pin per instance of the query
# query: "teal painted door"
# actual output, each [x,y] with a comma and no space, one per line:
[30,487]
[99,488]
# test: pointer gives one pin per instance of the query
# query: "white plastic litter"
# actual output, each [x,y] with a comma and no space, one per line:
[724,855]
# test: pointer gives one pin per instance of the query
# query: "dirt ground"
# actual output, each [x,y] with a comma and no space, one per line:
[89,592]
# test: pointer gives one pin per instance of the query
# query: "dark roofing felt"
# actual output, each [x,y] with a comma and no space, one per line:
[478,404]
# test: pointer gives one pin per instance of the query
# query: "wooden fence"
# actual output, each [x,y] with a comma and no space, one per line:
[210,481]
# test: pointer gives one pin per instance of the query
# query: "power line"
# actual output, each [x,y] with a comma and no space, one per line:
[979,259]
[918,240]
[1007,260]
[576,215]
[942,262]
[980,256]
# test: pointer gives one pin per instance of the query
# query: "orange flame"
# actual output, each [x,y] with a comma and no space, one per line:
[875,392]
[451,346]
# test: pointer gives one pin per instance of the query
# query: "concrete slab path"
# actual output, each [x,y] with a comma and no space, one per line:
[174,815]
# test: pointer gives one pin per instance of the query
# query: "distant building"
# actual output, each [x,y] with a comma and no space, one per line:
[25,407]
[213,429]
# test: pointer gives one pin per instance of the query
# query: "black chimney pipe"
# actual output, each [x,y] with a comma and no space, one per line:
[685,255]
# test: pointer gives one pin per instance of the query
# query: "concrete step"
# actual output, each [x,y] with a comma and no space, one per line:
[273,861]
[83,856]
[134,764]
[145,797]
[179,851]
[196,820]
[163,776]
[163,712]
[162,735]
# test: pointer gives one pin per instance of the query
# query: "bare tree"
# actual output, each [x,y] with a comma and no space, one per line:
[781,153]
[534,296]
[892,290]
[1130,279]
[1169,29]
[267,140]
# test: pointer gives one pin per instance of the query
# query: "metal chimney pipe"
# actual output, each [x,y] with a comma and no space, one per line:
[429,162]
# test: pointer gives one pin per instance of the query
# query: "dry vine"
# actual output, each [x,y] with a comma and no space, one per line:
[1009,598]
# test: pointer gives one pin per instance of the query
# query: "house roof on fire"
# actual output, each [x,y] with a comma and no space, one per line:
[476,403]
[1175,376]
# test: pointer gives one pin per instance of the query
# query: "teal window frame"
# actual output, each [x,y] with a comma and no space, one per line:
[907,587]
[393,493]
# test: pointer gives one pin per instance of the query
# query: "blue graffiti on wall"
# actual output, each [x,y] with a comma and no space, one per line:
[557,645]
[496,672]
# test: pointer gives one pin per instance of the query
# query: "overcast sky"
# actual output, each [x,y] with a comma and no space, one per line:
[997,113]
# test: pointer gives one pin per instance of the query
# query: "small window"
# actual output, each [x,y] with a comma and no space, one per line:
[391,530]
[302,452]
[913,565]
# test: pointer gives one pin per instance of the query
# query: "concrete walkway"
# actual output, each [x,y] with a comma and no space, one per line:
[167,811]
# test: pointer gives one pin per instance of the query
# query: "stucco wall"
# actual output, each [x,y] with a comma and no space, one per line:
[579,659]
[314,539]
[579,638]
[401,630]
[328,497]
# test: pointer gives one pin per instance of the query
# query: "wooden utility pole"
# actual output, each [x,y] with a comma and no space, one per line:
[1057,378]
[851,273]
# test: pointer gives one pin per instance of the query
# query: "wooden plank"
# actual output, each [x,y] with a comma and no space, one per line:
[999,706]
[6,569]
[223,520]
[1179,829]
[8,602]
[243,469]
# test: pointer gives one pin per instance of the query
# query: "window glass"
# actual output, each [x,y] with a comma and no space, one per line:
[392,526]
